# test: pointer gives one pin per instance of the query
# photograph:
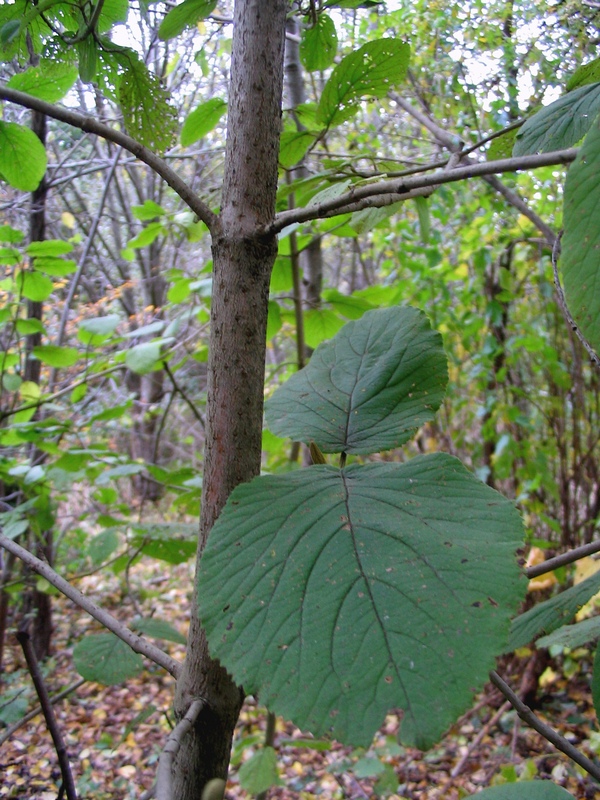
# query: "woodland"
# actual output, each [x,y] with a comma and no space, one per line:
[299,399]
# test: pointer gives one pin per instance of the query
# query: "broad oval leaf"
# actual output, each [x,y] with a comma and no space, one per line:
[370,71]
[56,356]
[581,239]
[560,124]
[49,81]
[143,358]
[338,595]
[22,156]
[202,120]
[368,389]
[184,15]
[524,790]
[34,286]
[319,43]
[106,659]
[260,772]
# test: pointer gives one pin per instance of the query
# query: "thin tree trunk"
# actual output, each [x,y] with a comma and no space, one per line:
[243,259]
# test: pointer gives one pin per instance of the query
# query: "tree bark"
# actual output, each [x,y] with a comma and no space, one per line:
[243,258]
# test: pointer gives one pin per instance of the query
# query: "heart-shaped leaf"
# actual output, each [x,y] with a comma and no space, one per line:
[337,595]
[368,389]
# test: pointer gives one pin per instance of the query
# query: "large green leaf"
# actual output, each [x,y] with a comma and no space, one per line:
[106,659]
[184,15]
[338,594]
[22,156]
[370,71]
[368,389]
[318,45]
[546,617]
[148,114]
[524,790]
[561,124]
[581,239]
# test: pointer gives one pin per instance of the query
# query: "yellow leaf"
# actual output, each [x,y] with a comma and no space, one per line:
[68,220]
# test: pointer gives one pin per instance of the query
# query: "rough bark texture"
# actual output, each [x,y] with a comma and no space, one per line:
[242,259]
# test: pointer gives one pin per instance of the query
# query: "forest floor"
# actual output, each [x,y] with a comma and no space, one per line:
[114,734]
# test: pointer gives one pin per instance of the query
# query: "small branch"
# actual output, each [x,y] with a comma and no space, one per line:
[35,711]
[527,715]
[180,391]
[134,641]
[164,775]
[564,308]
[563,559]
[517,202]
[92,125]
[407,187]
[68,783]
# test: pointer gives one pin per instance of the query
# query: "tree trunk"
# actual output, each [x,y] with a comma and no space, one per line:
[243,258]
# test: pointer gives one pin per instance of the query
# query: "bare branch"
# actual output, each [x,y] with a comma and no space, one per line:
[68,784]
[405,188]
[527,715]
[91,125]
[139,645]
[164,782]
[563,559]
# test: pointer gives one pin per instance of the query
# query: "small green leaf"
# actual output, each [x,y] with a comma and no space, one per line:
[380,379]
[319,43]
[158,629]
[56,356]
[100,326]
[424,222]
[87,51]
[143,358]
[371,71]
[572,636]
[49,81]
[49,247]
[260,772]
[320,324]
[28,326]
[546,617]
[147,235]
[105,659]
[584,75]
[148,211]
[293,146]
[202,120]
[185,15]
[560,124]
[22,156]
[147,111]
[34,286]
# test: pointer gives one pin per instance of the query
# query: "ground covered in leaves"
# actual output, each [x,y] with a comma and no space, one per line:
[114,734]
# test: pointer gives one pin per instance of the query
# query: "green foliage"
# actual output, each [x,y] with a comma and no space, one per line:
[561,124]
[106,659]
[202,120]
[22,156]
[149,116]
[525,790]
[260,772]
[50,80]
[581,239]
[370,71]
[319,43]
[546,617]
[355,587]
[376,388]
[585,74]
[184,15]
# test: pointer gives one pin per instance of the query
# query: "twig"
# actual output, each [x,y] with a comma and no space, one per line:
[563,305]
[164,776]
[68,783]
[527,715]
[178,389]
[92,125]
[134,641]
[404,188]
[563,559]
[35,711]
[478,739]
